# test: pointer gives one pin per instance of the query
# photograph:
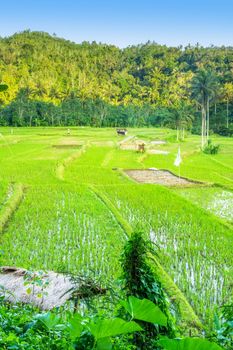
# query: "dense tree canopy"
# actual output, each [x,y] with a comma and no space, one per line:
[53,81]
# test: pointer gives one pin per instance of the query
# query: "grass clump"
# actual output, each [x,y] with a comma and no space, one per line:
[210,148]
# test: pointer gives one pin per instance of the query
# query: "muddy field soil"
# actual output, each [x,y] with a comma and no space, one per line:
[161,177]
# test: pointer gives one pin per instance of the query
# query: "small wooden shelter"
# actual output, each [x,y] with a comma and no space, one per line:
[122,132]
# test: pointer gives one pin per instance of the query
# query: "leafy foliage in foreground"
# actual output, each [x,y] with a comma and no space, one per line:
[140,281]
[223,325]
[187,344]
[23,327]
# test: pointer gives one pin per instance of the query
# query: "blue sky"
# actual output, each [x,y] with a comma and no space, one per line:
[123,22]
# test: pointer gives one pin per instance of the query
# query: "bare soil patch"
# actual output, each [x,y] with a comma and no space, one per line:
[67,146]
[132,145]
[157,151]
[126,140]
[158,142]
[129,147]
[68,142]
[102,143]
[161,177]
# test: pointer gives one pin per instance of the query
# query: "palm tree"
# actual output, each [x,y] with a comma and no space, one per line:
[204,86]
[228,94]
[181,119]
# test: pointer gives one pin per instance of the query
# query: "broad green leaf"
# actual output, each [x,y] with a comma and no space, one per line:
[104,344]
[49,320]
[28,291]
[112,327]
[75,327]
[188,344]
[145,310]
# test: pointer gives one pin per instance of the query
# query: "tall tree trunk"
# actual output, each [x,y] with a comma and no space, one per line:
[202,128]
[227,113]
[203,125]
[208,119]
[215,114]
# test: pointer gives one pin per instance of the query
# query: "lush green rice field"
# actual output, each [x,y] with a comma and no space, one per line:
[60,223]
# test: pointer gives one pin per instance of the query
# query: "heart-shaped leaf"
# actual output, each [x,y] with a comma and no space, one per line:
[104,344]
[188,344]
[145,310]
[112,327]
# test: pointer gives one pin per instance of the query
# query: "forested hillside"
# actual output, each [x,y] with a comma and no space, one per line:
[53,81]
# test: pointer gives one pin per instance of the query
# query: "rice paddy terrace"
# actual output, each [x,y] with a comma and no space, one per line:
[67,204]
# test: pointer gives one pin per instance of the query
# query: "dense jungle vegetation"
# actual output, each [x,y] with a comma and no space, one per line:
[53,81]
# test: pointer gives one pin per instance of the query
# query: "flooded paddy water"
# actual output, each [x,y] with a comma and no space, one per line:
[215,200]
